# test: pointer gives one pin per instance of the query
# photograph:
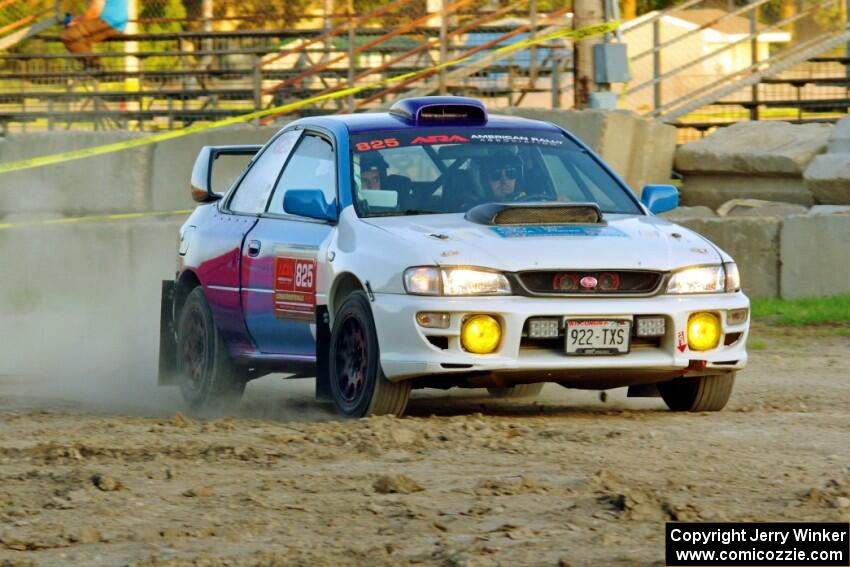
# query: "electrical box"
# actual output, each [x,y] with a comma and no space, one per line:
[610,63]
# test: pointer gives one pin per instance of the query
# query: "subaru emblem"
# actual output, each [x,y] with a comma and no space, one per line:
[588,282]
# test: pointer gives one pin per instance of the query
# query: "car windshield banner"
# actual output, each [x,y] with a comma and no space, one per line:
[437,137]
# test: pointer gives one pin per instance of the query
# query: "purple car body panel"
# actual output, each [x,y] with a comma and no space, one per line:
[213,256]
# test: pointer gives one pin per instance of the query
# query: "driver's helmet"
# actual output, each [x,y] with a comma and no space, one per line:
[374,161]
[502,162]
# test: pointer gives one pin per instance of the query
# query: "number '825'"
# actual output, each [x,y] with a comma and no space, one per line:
[377,144]
[304,276]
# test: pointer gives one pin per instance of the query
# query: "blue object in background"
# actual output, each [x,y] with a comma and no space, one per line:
[116,14]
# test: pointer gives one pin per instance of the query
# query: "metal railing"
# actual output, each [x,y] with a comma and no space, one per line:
[163,79]
[21,20]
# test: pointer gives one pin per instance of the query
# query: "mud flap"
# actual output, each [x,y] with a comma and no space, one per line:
[323,345]
[643,391]
[167,337]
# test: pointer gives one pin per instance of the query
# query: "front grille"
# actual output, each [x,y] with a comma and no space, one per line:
[607,282]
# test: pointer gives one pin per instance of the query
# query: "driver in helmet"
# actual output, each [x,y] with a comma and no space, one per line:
[373,171]
[503,176]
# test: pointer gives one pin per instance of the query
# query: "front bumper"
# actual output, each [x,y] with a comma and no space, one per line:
[407,352]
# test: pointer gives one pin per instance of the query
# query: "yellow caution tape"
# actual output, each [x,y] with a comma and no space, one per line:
[578,35]
[93,218]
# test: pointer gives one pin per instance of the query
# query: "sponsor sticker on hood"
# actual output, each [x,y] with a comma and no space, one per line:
[557,230]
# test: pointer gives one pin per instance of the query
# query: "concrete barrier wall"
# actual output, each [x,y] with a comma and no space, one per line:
[150,178]
[753,243]
[118,182]
[815,255]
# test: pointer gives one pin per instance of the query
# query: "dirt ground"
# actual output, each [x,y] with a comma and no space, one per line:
[565,480]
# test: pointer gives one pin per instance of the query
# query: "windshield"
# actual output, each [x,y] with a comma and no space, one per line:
[408,172]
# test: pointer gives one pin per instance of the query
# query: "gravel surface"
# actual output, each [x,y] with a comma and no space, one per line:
[563,480]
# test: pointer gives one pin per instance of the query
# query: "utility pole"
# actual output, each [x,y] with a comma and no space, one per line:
[585,13]
[131,62]
[207,27]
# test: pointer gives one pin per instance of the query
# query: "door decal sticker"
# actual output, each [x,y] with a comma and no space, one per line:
[295,288]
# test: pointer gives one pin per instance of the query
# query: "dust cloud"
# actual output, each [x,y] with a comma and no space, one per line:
[96,347]
[79,325]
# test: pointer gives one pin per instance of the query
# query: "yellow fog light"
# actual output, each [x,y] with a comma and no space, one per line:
[703,331]
[481,334]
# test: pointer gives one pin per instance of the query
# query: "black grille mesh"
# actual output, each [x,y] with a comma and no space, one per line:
[547,215]
[610,282]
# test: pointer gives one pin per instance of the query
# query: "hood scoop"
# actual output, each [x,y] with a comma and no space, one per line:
[495,214]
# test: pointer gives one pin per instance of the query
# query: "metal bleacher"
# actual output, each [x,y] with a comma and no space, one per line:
[199,70]
[163,80]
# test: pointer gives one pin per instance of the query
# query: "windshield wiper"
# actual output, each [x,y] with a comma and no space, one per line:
[408,212]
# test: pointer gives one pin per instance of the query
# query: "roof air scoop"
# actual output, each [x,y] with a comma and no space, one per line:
[436,110]
[495,214]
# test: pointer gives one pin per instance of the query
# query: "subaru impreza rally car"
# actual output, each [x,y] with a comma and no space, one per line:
[438,246]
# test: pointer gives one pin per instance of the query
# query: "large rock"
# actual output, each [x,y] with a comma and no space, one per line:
[715,189]
[815,255]
[839,139]
[758,160]
[766,147]
[753,243]
[639,150]
[828,176]
[759,208]
[828,179]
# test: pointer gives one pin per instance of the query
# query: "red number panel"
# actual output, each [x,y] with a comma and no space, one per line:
[295,288]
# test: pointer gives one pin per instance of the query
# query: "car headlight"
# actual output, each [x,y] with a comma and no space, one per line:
[429,280]
[699,279]
[733,278]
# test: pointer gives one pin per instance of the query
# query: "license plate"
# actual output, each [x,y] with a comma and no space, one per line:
[598,336]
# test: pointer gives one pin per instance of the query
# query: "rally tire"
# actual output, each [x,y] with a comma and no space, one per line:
[207,376]
[358,385]
[698,393]
[517,391]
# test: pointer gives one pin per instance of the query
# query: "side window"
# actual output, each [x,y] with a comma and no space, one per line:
[313,166]
[253,193]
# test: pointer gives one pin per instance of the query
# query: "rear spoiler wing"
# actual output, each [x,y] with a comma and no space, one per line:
[201,181]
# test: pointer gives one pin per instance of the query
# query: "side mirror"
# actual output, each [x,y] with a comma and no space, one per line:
[660,198]
[309,203]
[201,181]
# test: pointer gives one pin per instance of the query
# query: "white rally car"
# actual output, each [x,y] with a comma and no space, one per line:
[437,246]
